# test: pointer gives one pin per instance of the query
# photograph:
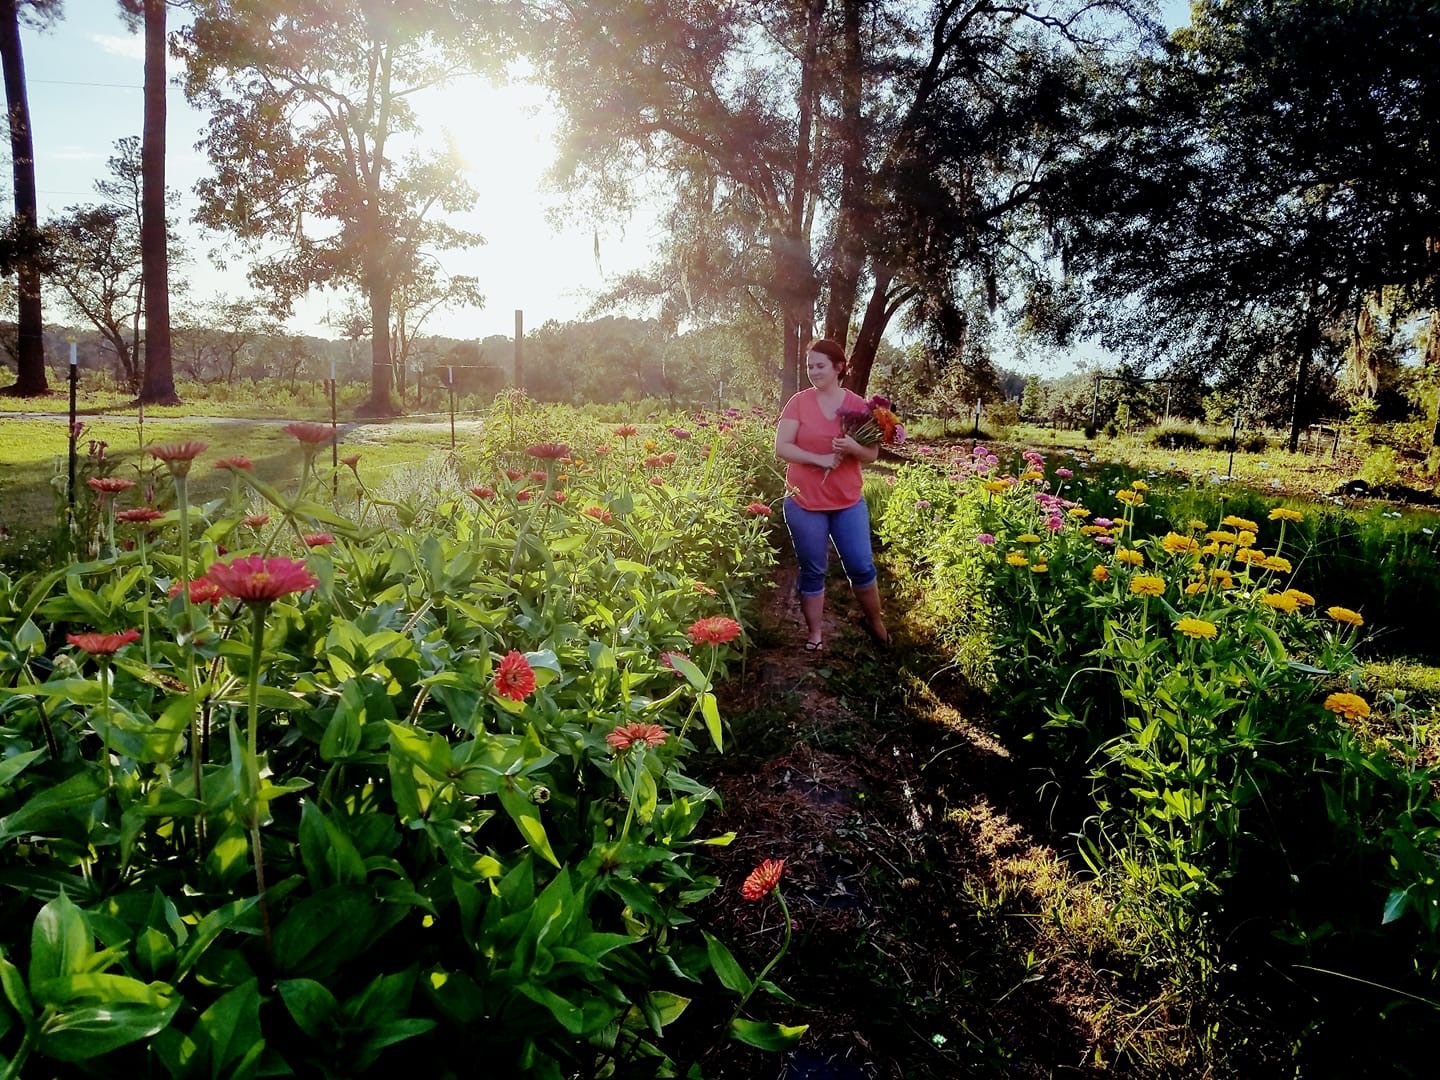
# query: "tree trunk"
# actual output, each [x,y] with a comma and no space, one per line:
[872,329]
[1432,361]
[1310,338]
[159,385]
[846,258]
[382,378]
[30,345]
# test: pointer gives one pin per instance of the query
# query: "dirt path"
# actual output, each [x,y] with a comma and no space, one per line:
[935,933]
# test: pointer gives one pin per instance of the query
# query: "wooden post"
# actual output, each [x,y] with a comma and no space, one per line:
[450,382]
[1095,405]
[70,488]
[334,435]
[519,349]
[1234,442]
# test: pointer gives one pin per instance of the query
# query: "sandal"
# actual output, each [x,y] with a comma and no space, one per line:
[814,646]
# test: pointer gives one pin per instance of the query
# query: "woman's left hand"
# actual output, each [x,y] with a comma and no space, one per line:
[844,444]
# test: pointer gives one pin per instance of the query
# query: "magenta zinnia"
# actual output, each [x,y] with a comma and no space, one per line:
[174,453]
[307,433]
[202,590]
[515,678]
[645,735]
[318,539]
[258,580]
[759,509]
[716,630]
[548,451]
[109,485]
[103,644]
[238,462]
[140,516]
[763,880]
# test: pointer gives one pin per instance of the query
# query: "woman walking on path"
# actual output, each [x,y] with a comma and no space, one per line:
[823,485]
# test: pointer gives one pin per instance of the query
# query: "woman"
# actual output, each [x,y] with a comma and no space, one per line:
[824,501]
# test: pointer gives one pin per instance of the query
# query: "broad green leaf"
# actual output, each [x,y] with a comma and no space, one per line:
[60,941]
[711,711]
[726,967]
[13,766]
[232,1028]
[693,675]
[13,984]
[1395,905]
[89,1032]
[766,1036]
[527,819]
[310,1003]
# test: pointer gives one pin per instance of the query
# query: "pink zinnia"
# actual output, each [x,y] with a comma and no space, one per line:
[627,735]
[680,433]
[513,474]
[1064,474]
[256,521]
[759,509]
[483,492]
[239,461]
[257,580]
[668,658]
[307,433]
[548,451]
[140,516]
[600,514]
[763,880]
[202,590]
[558,496]
[515,678]
[985,538]
[109,485]
[178,456]
[716,630]
[103,644]
[627,431]
[350,461]
[318,539]
[522,496]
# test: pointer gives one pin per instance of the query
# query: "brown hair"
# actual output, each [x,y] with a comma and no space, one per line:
[834,350]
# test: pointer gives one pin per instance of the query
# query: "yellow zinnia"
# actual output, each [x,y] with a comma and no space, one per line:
[1032,474]
[1239,523]
[1095,530]
[1196,628]
[1245,539]
[1039,568]
[1350,706]
[1210,549]
[1304,599]
[1129,557]
[996,487]
[1277,563]
[1194,587]
[1196,525]
[1250,555]
[1219,536]
[1283,513]
[1027,538]
[1101,573]
[1345,615]
[1280,602]
[1147,585]
[1129,498]
[1078,512]
[1017,558]
[1139,485]
[1179,545]
[1222,578]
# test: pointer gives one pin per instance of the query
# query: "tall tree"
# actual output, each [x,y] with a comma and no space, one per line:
[308,100]
[30,355]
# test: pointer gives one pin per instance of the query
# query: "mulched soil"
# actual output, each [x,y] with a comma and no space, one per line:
[919,876]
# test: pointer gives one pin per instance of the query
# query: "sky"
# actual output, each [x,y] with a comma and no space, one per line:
[85,76]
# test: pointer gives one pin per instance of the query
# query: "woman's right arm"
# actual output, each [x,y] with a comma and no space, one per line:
[788,450]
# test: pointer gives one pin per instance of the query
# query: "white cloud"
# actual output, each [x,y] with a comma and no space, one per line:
[73,153]
[130,46]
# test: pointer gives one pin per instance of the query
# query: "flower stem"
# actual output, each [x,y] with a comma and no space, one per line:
[105,715]
[784,947]
[252,765]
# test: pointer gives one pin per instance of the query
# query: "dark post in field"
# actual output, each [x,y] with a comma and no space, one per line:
[1234,441]
[334,435]
[450,384]
[519,349]
[74,437]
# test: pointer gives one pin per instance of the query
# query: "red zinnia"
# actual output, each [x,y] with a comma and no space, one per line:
[178,454]
[657,480]
[350,461]
[483,492]
[239,461]
[513,474]
[310,434]
[759,509]
[515,678]
[110,485]
[627,735]
[603,449]
[258,580]
[558,496]
[202,590]
[716,630]
[600,514]
[320,539]
[255,521]
[522,496]
[142,516]
[103,644]
[763,880]
[626,431]
[549,451]
[538,476]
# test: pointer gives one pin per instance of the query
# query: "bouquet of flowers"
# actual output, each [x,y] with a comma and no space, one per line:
[874,422]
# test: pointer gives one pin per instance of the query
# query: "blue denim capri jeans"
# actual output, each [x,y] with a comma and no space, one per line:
[811,532]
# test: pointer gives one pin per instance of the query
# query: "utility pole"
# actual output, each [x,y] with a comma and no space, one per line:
[519,349]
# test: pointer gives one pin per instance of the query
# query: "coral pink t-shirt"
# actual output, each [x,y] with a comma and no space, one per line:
[812,487]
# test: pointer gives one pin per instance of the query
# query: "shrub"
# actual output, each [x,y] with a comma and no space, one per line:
[1381,468]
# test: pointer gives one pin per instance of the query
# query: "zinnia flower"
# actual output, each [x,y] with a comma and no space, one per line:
[514,474]
[1179,545]
[759,509]
[256,521]
[1239,523]
[627,431]
[1064,474]
[178,456]
[1027,538]
[1101,573]
[239,461]
[600,514]
[763,880]
[548,451]
[1284,513]
[1017,558]
[318,539]
[1147,585]
[514,677]
[558,496]
[1196,525]
[1039,568]
[103,644]
[1350,706]
[1280,602]
[141,516]
[522,496]
[996,487]
[308,434]
[202,590]
[258,580]
[109,485]
[1140,485]
[350,461]
[985,538]
[716,630]
[1078,512]
[668,658]
[1345,615]
[1304,599]
[680,433]
[1196,628]
[1245,539]
[647,736]
[1276,562]
[1129,557]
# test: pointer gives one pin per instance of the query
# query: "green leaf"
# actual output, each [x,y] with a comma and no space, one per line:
[766,1036]
[231,1026]
[89,1032]
[14,985]
[527,819]
[723,961]
[80,789]
[310,1003]
[60,941]
[13,766]
[711,711]
[1395,905]
[693,675]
